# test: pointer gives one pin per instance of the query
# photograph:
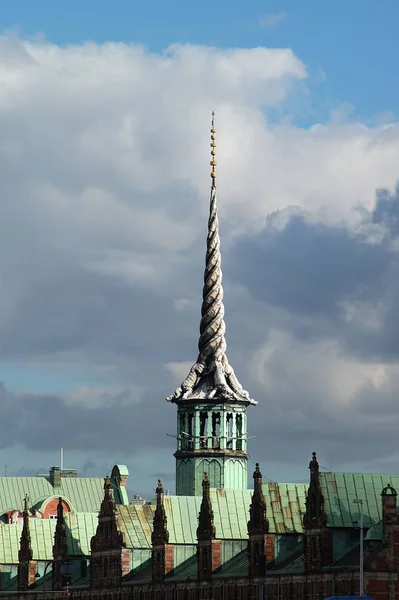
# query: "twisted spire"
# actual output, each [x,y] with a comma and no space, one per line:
[212,374]
[212,342]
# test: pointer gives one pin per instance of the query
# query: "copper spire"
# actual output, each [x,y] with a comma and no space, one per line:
[212,371]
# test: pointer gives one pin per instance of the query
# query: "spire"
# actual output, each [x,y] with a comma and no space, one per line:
[107,533]
[60,544]
[212,376]
[107,545]
[258,523]
[25,549]
[314,468]
[162,557]
[260,545]
[314,514]
[160,534]
[108,506]
[206,529]
[60,549]
[26,566]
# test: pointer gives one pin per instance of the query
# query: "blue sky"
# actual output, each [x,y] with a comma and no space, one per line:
[350,48]
[104,169]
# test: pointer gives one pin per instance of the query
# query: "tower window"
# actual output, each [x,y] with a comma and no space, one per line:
[229,428]
[182,431]
[239,432]
[190,427]
[216,430]
[203,429]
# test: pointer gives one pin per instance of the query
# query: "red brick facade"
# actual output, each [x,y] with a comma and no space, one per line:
[50,508]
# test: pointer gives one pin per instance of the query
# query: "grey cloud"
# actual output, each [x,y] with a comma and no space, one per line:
[42,422]
[310,268]
[314,271]
[386,211]
[298,279]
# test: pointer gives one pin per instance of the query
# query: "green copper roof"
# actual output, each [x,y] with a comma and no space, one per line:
[340,489]
[285,504]
[294,566]
[80,528]
[236,563]
[84,494]
[375,533]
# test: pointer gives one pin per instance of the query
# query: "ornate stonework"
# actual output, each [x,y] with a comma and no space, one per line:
[206,533]
[107,544]
[26,566]
[60,550]
[258,527]
[162,553]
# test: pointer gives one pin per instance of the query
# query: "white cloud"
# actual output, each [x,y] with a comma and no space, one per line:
[179,370]
[326,375]
[101,397]
[104,163]
[272,19]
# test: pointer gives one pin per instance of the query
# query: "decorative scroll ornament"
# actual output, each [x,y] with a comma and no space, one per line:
[212,376]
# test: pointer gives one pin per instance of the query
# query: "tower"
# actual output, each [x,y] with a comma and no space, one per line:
[211,404]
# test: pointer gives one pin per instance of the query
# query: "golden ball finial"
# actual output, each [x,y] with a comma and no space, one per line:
[213,163]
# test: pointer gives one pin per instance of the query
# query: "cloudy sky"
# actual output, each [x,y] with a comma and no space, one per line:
[104,170]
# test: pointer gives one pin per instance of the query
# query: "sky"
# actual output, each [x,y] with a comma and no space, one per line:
[104,163]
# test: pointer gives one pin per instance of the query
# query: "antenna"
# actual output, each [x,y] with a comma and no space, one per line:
[62,459]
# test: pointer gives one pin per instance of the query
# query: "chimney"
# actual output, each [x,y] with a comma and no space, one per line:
[55,477]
